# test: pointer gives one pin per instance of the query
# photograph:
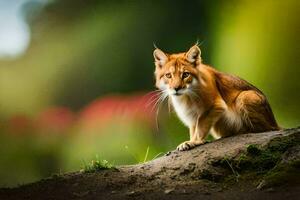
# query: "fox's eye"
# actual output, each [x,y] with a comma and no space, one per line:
[185,74]
[168,75]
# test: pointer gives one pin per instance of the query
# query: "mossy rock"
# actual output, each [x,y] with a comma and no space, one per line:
[286,171]
[264,162]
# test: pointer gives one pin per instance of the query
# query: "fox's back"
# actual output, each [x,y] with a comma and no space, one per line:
[231,88]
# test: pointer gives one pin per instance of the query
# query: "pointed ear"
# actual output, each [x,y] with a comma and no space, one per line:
[193,55]
[160,57]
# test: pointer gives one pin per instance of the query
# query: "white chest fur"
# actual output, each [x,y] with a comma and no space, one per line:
[186,110]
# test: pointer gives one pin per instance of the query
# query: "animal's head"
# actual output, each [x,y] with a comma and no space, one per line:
[176,74]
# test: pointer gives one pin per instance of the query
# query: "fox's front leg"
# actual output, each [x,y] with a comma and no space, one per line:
[203,124]
[197,135]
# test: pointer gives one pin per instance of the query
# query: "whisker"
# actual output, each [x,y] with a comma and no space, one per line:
[169,105]
[161,97]
[151,101]
[151,92]
[164,96]
[156,119]
[153,98]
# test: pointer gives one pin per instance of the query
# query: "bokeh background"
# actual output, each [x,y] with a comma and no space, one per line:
[76,75]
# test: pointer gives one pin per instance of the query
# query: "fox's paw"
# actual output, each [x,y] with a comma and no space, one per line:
[187,145]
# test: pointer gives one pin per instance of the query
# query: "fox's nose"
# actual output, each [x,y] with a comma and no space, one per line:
[177,88]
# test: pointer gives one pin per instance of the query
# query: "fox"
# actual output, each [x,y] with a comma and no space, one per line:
[209,101]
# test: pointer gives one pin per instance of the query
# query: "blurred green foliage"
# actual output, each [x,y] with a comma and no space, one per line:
[82,50]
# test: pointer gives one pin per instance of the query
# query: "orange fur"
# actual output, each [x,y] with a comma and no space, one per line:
[206,99]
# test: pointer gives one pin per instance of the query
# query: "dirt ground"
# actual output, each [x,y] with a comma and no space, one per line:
[250,166]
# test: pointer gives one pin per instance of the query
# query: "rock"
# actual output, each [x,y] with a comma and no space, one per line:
[273,159]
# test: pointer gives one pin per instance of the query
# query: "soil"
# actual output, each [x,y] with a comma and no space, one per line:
[250,166]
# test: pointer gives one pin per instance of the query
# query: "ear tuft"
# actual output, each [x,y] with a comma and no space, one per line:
[194,54]
[160,57]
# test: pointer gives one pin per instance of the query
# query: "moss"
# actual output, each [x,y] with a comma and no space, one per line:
[281,144]
[287,173]
[258,159]
[243,161]
[259,162]
[228,181]
[253,149]
[263,159]
[267,160]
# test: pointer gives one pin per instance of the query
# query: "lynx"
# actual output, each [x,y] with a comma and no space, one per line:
[206,99]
